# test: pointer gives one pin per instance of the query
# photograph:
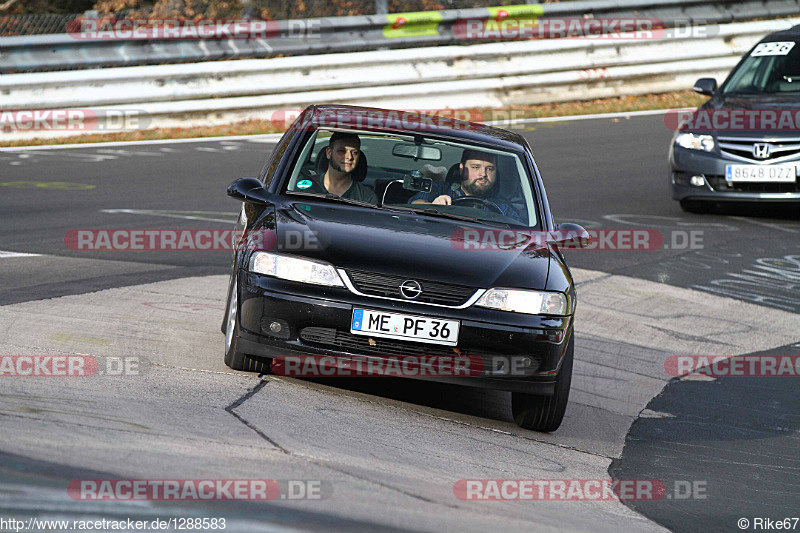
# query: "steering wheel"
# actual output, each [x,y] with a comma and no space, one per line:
[483,201]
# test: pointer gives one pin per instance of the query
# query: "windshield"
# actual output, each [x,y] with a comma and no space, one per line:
[771,68]
[394,171]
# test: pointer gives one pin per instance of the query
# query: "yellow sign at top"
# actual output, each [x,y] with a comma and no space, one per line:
[528,11]
[417,24]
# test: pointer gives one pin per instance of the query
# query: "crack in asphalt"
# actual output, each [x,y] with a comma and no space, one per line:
[368,480]
[598,278]
[244,398]
[255,390]
[70,424]
[512,434]
[614,368]
[687,337]
[485,428]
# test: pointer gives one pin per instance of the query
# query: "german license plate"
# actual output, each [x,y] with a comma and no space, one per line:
[404,327]
[761,173]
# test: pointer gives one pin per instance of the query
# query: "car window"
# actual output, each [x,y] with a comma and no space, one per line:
[770,68]
[268,171]
[508,200]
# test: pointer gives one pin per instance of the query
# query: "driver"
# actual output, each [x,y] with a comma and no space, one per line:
[478,172]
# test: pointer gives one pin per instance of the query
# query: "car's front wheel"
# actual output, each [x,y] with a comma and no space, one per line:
[545,413]
[234,358]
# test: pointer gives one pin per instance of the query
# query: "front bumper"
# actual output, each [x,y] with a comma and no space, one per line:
[687,163]
[316,321]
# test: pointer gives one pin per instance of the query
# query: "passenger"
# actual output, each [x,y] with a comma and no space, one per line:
[343,152]
[478,178]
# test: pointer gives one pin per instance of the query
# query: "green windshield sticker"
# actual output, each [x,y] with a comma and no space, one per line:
[304,184]
[417,24]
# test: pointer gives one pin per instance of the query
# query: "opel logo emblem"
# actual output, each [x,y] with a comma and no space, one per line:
[762,150]
[410,289]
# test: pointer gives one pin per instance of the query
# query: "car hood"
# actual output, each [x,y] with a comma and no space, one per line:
[774,102]
[766,101]
[405,244]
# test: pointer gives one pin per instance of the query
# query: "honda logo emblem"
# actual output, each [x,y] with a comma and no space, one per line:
[762,150]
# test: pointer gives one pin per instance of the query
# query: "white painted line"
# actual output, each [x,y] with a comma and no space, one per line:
[274,137]
[6,255]
[174,214]
[766,224]
[266,137]
[647,413]
[620,114]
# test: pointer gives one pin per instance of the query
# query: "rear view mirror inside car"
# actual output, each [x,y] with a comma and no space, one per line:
[417,151]
[415,181]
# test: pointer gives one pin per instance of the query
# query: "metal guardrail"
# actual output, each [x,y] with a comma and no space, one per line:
[348,34]
[34,24]
[424,78]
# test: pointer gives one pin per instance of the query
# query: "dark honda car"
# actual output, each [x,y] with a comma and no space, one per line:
[744,143]
[389,269]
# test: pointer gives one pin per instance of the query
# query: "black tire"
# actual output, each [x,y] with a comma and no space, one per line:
[223,328]
[545,413]
[697,207]
[234,358]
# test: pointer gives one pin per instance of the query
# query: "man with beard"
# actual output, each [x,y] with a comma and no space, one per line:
[343,152]
[478,172]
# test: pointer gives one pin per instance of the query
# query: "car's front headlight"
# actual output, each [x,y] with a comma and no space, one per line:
[693,141]
[528,302]
[295,269]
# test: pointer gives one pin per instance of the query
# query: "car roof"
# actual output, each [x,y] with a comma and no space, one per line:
[353,117]
[791,34]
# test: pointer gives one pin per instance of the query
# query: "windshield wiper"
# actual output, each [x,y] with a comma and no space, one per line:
[431,211]
[335,198]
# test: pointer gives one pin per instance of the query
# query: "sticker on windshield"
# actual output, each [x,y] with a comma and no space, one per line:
[304,184]
[773,49]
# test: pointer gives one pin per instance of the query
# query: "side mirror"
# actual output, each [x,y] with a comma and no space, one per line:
[570,235]
[706,86]
[250,190]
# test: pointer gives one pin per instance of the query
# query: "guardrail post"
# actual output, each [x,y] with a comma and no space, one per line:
[381,7]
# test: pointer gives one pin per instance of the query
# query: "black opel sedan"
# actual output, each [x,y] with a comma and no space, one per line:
[374,237]
[744,143]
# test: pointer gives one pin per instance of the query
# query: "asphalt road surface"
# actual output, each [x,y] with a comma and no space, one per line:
[387,454]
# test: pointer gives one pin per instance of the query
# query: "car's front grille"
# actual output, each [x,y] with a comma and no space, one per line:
[779,150]
[433,292]
[361,344]
[718,183]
